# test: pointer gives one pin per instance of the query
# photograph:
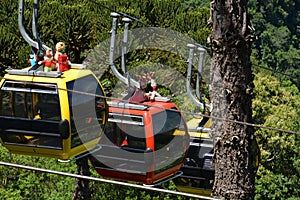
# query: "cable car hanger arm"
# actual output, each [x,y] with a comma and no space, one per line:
[188,79]
[35,26]
[30,41]
[125,80]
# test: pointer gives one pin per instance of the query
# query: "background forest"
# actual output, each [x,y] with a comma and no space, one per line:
[83,24]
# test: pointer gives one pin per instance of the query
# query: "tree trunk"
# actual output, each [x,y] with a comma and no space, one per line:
[232,86]
[82,190]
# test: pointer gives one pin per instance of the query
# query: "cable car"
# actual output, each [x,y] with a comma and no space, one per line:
[51,114]
[198,169]
[146,138]
[142,143]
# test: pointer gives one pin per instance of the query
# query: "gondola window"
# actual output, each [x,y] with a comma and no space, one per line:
[87,109]
[20,104]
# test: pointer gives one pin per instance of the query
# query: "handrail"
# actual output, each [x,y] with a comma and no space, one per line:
[53,74]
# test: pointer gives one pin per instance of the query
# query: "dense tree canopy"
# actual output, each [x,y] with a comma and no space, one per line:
[277,30]
[276,104]
[82,25]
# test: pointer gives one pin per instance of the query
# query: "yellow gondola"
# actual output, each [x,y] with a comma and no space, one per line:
[198,169]
[51,114]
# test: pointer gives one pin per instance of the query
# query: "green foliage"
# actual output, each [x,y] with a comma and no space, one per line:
[24,184]
[82,25]
[74,23]
[77,23]
[194,4]
[103,191]
[18,184]
[276,104]
[276,24]
[13,50]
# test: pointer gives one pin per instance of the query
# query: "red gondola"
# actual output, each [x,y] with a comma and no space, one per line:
[143,143]
[146,139]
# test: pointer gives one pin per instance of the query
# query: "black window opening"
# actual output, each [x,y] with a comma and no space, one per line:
[126,131]
[164,125]
[169,146]
[27,100]
[200,154]
[123,144]
[30,114]
[87,110]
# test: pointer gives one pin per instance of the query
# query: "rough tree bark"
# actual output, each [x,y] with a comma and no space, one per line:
[232,86]
[82,190]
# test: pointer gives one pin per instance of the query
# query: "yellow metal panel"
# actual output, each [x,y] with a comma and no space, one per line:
[194,123]
[32,151]
[65,112]
[193,190]
[17,77]
[84,147]
[179,132]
